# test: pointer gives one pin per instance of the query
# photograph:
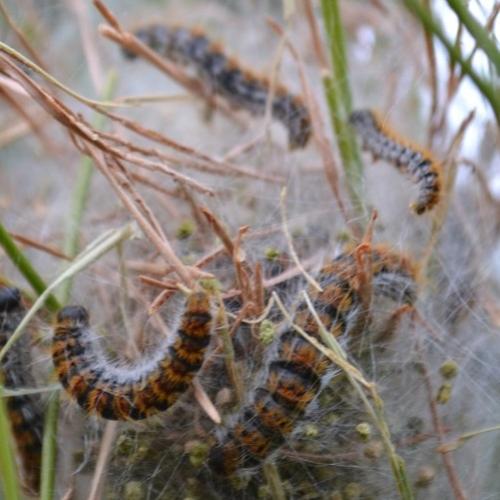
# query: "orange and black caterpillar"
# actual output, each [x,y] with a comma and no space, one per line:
[297,370]
[130,392]
[225,76]
[25,412]
[382,142]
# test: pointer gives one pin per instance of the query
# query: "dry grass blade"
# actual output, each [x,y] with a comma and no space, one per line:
[205,402]
[196,211]
[482,181]
[13,86]
[242,269]
[49,249]
[76,125]
[339,358]
[129,42]
[448,463]
[375,406]
[235,251]
[159,241]
[164,285]
[94,251]
[317,44]
[24,61]
[159,300]
[229,356]
[291,248]
[195,160]
[274,481]
[450,169]
[35,123]
[323,144]
[245,147]
[88,43]
[462,439]
[258,289]
[107,441]
[13,133]
[153,98]
[219,230]
[123,176]
[337,94]
[20,35]
[150,183]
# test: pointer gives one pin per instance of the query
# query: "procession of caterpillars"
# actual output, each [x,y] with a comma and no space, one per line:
[295,374]
[225,76]
[25,412]
[295,371]
[243,89]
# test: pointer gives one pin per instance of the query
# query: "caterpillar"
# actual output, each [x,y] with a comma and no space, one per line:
[228,78]
[383,142]
[129,392]
[297,370]
[25,412]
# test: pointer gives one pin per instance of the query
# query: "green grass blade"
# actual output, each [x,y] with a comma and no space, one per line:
[349,153]
[27,270]
[84,260]
[49,448]
[81,192]
[336,41]
[87,257]
[71,245]
[339,100]
[8,469]
[488,90]
[480,35]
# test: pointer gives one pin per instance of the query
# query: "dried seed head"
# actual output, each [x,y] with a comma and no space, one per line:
[425,476]
[449,369]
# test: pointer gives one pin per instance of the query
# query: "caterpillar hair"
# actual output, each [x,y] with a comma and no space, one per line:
[25,412]
[228,78]
[297,370]
[131,392]
[378,138]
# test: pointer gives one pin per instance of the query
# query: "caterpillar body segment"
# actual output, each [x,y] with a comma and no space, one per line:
[228,78]
[132,392]
[383,142]
[25,412]
[296,372]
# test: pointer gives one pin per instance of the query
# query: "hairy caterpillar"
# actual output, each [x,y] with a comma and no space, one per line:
[25,412]
[132,392]
[226,77]
[383,142]
[296,371]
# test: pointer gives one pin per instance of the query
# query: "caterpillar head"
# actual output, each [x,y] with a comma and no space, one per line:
[73,316]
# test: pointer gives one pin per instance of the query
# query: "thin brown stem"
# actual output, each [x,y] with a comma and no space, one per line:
[446,458]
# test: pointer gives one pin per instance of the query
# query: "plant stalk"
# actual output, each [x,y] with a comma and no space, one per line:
[71,246]
[8,469]
[27,270]
[490,93]
[81,192]
[339,100]
[480,35]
